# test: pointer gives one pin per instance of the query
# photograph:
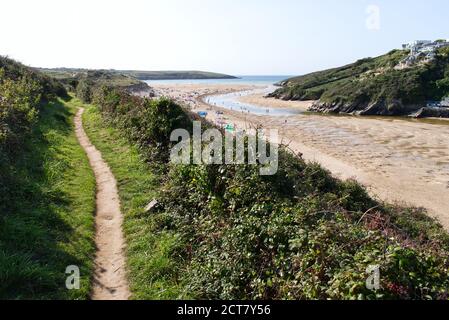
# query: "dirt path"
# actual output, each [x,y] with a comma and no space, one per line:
[110,280]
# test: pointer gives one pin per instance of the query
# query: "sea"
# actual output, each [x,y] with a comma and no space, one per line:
[243,80]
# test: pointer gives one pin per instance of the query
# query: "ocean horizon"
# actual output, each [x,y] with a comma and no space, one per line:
[242,79]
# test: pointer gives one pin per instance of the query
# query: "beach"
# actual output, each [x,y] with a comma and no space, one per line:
[260,100]
[399,160]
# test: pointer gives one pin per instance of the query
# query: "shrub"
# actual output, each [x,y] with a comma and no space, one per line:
[83,91]
[18,110]
[148,123]
[251,237]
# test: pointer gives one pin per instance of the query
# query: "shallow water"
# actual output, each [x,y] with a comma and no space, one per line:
[231,101]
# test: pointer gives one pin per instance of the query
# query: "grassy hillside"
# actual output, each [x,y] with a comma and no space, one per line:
[225,232]
[373,86]
[176,75]
[47,190]
[133,75]
[100,77]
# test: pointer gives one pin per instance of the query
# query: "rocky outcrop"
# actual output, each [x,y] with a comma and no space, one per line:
[380,108]
[432,113]
[141,89]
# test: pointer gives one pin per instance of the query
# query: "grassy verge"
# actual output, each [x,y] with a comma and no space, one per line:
[48,222]
[152,273]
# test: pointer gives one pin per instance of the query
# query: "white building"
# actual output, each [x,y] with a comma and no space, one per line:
[422,50]
[415,44]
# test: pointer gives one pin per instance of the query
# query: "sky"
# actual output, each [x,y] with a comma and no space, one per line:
[239,37]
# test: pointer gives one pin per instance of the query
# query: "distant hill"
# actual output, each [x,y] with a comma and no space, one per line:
[82,81]
[375,86]
[175,75]
[143,75]
[100,77]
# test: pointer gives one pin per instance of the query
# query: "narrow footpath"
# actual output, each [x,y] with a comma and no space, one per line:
[110,278]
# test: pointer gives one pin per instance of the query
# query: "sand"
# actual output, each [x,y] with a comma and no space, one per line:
[260,100]
[398,160]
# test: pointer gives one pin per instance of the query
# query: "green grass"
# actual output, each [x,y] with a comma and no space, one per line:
[151,268]
[47,215]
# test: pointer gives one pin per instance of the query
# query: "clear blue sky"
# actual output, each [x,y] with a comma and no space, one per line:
[282,37]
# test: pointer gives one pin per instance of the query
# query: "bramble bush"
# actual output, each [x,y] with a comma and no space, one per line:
[297,235]
[18,110]
[148,123]
[22,91]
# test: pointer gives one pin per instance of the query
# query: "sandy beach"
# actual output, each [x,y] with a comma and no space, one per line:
[399,160]
[260,100]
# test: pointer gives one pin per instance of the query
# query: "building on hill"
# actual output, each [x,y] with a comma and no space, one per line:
[421,50]
[414,45]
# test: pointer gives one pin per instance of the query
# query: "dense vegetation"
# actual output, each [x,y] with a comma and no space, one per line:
[373,85]
[227,232]
[83,82]
[22,92]
[47,189]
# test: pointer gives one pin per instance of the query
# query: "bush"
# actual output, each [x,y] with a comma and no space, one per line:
[148,123]
[18,110]
[16,71]
[22,91]
[83,91]
[311,237]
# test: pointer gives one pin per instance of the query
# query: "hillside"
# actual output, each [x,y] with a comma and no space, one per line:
[176,75]
[63,73]
[72,77]
[84,81]
[373,86]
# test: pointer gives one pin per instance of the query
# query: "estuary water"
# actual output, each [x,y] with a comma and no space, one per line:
[232,102]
